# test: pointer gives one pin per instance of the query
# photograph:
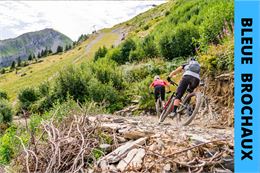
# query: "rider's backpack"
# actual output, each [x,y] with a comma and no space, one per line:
[194,66]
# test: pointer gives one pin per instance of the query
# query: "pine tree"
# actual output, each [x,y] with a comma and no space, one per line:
[19,62]
[30,57]
[12,66]
[39,55]
[59,49]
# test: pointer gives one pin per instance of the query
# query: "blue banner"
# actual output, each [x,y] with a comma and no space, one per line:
[247,86]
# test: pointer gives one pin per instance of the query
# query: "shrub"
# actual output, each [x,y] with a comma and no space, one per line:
[137,54]
[105,94]
[7,145]
[5,111]
[3,95]
[27,97]
[146,99]
[115,55]
[107,71]
[149,47]
[179,42]
[74,82]
[121,54]
[100,53]
[219,18]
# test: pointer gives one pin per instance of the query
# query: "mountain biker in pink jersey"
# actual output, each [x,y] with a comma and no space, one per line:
[190,80]
[159,88]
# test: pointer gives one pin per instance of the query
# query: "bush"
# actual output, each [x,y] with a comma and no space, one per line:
[3,95]
[146,99]
[179,42]
[73,82]
[149,47]
[115,55]
[137,54]
[105,94]
[127,47]
[100,53]
[5,111]
[8,145]
[27,97]
[219,18]
[107,71]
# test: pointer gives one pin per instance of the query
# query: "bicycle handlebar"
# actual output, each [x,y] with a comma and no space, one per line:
[172,82]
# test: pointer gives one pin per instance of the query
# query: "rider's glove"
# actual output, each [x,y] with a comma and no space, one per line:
[168,78]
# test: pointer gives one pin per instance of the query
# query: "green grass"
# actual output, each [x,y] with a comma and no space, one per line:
[37,73]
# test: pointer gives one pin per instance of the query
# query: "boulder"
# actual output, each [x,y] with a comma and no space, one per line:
[133,160]
[122,151]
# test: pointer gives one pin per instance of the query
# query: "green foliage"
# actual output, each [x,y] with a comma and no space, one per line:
[149,47]
[218,58]
[97,153]
[137,55]
[74,82]
[27,97]
[2,71]
[115,55]
[81,38]
[107,71]
[146,100]
[9,145]
[179,41]
[219,20]
[12,66]
[127,46]
[59,49]
[100,53]
[5,111]
[3,95]
[19,62]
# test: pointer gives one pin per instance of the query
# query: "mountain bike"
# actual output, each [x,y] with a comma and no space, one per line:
[159,106]
[187,110]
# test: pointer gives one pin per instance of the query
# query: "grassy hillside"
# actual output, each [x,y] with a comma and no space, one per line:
[37,73]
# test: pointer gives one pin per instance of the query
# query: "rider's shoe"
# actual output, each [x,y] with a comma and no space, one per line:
[172,114]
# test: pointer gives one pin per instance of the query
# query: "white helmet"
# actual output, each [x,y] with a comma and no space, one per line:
[156,77]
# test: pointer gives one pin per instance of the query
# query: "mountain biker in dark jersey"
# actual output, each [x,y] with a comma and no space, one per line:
[190,80]
[159,88]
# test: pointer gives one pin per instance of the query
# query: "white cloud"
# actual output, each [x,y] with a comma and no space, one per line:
[69,17]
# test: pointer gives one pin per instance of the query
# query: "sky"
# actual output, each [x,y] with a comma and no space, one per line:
[72,18]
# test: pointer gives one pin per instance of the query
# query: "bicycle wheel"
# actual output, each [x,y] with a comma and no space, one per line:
[158,107]
[189,108]
[166,111]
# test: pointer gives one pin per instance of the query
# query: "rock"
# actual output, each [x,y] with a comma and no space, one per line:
[122,151]
[167,168]
[112,126]
[190,154]
[112,168]
[105,147]
[103,165]
[120,139]
[119,120]
[133,160]
[134,134]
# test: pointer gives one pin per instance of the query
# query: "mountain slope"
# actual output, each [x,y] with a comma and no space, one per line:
[33,42]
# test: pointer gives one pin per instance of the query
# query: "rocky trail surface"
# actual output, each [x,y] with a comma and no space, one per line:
[167,147]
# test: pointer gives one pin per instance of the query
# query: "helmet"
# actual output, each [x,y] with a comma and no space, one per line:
[156,77]
[191,59]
